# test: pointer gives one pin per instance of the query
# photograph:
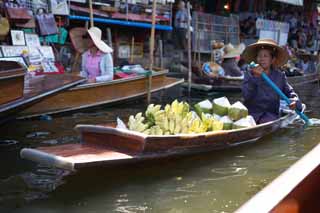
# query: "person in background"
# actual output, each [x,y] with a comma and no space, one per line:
[97,61]
[230,62]
[305,62]
[261,100]
[181,26]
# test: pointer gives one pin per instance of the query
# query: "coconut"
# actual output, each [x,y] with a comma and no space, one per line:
[227,122]
[244,122]
[237,111]
[203,107]
[220,106]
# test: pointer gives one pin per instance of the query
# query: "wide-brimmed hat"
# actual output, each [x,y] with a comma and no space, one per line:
[96,35]
[4,26]
[231,51]
[250,53]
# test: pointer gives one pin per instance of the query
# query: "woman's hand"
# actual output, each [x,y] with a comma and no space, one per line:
[293,104]
[257,71]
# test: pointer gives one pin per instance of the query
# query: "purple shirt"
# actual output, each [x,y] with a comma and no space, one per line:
[261,100]
[93,64]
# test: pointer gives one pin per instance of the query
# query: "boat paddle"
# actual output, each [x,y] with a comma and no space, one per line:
[280,93]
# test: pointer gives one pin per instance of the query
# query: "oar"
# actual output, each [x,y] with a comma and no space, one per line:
[280,93]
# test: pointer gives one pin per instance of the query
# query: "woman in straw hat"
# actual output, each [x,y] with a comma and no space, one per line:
[260,99]
[97,62]
[230,56]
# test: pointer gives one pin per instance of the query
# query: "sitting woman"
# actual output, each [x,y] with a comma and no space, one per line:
[260,99]
[97,62]
[230,57]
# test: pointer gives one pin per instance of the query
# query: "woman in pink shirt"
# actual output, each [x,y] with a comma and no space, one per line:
[97,62]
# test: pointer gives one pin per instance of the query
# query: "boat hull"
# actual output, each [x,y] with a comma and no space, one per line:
[35,90]
[107,146]
[296,190]
[90,95]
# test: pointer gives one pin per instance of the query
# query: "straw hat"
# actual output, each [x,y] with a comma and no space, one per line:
[250,53]
[96,34]
[4,26]
[231,52]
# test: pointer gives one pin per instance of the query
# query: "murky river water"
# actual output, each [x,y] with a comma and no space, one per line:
[214,182]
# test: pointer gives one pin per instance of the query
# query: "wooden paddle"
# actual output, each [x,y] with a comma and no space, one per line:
[280,93]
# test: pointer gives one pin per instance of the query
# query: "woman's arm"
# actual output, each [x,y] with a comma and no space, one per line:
[290,93]
[106,67]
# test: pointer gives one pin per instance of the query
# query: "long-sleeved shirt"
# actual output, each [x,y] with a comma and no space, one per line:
[105,66]
[231,68]
[261,100]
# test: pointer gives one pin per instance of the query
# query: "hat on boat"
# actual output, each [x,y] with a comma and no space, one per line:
[4,27]
[250,53]
[231,51]
[96,34]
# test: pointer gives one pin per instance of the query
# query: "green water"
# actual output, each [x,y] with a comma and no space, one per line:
[214,182]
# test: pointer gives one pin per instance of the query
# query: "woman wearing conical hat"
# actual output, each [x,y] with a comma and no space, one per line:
[97,61]
[260,99]
[229,63]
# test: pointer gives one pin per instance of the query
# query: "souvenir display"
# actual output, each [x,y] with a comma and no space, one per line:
[17,37]
[32,40]
[16,59]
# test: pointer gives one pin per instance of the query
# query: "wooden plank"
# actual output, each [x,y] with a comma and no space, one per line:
[295,190]
[39,88]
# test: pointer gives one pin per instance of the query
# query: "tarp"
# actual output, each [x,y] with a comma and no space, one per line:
[294,2]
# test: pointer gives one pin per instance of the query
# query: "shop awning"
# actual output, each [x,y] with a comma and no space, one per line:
[122,23]
[294,2]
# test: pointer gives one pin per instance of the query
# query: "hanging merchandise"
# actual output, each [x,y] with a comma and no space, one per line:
[57,38]
[29,24]
[60,7]
[46,23]
[34,5]
[17,13]
[4,27]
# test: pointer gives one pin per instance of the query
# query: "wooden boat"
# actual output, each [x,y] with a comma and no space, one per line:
[11,81]
[34,90]
[234,84]
[296,190]
[107,145]
[95,94]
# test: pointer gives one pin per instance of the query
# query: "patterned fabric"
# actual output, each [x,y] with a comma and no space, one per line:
[93,65]
[261,100]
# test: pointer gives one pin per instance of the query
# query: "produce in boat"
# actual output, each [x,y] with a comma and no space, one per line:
[203,107]
[244,122]
[237,111]
[211,123]
[227,122]
[220,106]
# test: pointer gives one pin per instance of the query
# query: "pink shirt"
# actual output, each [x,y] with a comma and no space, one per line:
[93,64]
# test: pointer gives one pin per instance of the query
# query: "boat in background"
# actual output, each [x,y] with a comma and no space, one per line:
[18,94]
[95,94]
[296,190]
[106,145]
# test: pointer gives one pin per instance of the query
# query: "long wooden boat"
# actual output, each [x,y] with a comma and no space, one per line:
[95,94]
[35,90]
[107,145]
[296,190]
[11,81]
[234,84]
